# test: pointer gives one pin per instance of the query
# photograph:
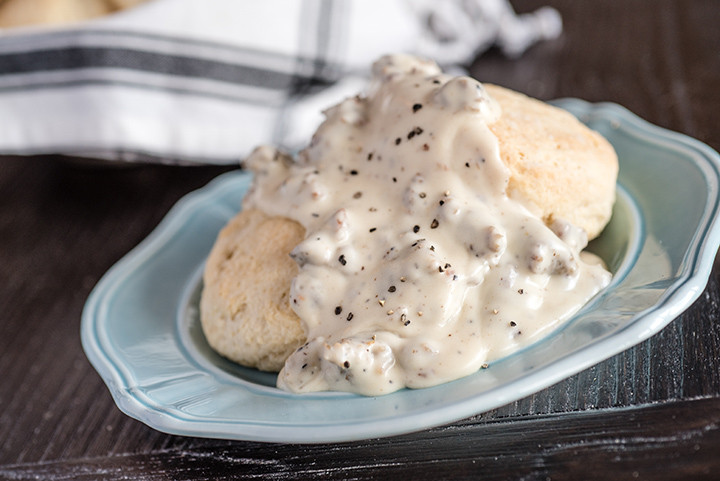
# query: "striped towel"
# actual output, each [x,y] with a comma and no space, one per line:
[198,81]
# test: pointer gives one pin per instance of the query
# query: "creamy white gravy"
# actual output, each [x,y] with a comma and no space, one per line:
[417,267]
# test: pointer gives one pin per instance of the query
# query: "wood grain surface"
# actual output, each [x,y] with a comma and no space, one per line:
[652,412]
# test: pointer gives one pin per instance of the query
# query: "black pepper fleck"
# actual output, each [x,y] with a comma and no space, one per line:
[357,195]
[391,289]
[373,229]
[414,132]
[422,195]
[416,229]
[434,224]
[346,364]
[397,141]
[350,316]
[416,107]
[394,179]
[353,172]
[467,164]
[370,156]
[513,323]
[442,202]
[521,291]
[338,310]
[342,259]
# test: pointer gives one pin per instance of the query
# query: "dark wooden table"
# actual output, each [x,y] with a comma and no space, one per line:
[652,412]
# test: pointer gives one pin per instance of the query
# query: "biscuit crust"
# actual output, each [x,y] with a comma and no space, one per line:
[560,169]
[245,309]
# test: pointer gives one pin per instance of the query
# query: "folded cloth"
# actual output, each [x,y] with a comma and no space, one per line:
[205,82]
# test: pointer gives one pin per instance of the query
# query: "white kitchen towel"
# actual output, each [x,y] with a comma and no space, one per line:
[205,81]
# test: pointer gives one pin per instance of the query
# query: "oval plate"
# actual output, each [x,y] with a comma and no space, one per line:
[140,326]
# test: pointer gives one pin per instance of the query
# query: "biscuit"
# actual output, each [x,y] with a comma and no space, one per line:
[560,169]
[245,310]
[18,13]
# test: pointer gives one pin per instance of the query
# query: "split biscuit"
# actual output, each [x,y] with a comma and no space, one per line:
[559,168]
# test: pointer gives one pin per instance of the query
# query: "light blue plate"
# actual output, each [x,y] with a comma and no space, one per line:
[140,326]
